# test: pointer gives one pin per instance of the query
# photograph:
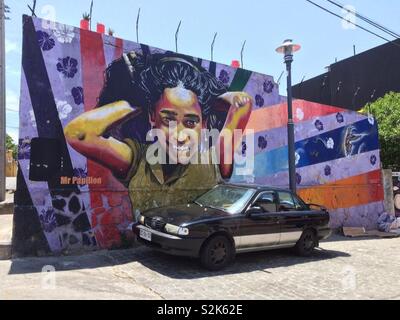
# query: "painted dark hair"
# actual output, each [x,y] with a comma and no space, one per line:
[142,79]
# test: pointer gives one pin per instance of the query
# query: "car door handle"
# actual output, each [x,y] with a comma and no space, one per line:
[278,220]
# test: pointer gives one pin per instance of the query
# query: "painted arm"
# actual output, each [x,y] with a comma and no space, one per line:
[238,116]
[85,135]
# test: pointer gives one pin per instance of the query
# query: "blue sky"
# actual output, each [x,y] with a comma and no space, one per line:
[263,24]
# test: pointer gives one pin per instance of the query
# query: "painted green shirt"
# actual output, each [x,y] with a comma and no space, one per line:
[148,189]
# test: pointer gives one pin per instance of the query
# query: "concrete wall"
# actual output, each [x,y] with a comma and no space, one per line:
[69,200]
[387,180]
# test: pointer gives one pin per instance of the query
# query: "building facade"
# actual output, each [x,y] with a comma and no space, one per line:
[74,193]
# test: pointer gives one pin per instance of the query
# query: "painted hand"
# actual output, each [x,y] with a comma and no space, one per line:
[237,99]
[238,116]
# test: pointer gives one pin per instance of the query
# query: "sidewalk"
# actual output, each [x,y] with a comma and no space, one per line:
[6,226]
[341,269]
[6,219]
[7,207]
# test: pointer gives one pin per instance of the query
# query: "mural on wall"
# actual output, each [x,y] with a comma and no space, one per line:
[90,104]
[337,159]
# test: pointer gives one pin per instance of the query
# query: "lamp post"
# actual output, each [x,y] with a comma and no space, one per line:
[287,49]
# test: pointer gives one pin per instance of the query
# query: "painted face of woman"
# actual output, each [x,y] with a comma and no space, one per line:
[178,115]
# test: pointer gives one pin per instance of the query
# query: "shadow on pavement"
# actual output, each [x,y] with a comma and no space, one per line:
[183,268]
[169,266]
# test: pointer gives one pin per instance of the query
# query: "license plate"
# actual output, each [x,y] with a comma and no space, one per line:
[146,235]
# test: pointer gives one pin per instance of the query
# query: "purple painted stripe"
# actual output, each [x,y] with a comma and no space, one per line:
[361,216]
[27,127]
[224,73]
[109,48]
[39,191]
[205,64]
[154,50]
[41,199]
[315,175]
[62,90]
[136,47]
[132,46]
[61,87]
[264,87]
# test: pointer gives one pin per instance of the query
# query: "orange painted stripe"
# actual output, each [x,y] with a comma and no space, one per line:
[347,193]
[277,116]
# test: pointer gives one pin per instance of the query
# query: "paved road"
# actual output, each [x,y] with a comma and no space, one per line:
[342,269]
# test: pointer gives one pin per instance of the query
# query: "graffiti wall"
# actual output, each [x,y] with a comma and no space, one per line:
[337,159]
[93,107]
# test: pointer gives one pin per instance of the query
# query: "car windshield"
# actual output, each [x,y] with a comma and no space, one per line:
[227,198]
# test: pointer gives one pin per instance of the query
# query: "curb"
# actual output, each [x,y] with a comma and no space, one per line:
[5,250]
[6,208]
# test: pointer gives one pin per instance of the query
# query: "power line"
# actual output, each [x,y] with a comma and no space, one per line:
[366,19]
[355,24]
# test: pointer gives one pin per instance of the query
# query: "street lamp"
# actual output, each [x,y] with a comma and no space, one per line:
[287,49]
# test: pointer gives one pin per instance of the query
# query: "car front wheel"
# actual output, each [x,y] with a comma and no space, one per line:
[307,243]
[217,253]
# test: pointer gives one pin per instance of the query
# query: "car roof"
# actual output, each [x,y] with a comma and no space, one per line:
[256,186]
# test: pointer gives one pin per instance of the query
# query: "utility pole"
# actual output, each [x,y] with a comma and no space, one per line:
[2,104]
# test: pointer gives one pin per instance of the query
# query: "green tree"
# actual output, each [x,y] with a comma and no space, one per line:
[387,112]
[10,145]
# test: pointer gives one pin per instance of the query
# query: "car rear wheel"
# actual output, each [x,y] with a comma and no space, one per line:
[217,253]
[307,243]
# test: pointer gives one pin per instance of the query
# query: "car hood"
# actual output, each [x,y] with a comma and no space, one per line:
[185,214]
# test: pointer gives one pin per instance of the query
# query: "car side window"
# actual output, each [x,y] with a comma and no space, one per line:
[267,202]
[286,202]
[300,205]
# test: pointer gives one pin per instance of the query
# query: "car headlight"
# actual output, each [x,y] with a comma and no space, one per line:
[176,230]
[141,219]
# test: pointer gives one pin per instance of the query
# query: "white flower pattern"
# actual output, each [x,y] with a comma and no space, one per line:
[297,158]
[33,118]
[299,114]
[371,119]
[330,144]
[64,109]
[64,34]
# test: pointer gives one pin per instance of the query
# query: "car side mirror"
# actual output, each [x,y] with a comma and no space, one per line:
[254,210]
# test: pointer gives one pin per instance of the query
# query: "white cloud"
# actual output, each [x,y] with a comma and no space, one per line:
[12,100]
[11,46]
[10,71]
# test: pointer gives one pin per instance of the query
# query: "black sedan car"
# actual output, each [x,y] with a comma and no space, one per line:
[232,219]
